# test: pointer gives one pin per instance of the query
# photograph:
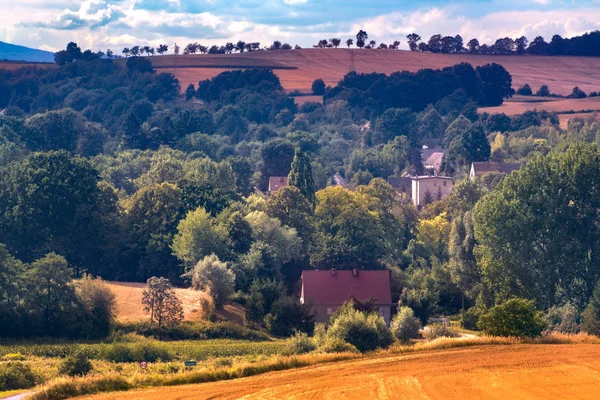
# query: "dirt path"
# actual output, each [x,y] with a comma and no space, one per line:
[488,372]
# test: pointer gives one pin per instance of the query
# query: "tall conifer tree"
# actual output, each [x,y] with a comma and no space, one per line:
[301,176]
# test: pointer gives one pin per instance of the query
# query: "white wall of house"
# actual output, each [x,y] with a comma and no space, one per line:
[432,184]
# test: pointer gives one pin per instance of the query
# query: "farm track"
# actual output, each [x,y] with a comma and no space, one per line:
[485,372]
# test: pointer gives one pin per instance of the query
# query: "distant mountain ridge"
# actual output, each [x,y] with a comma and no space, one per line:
[15,52]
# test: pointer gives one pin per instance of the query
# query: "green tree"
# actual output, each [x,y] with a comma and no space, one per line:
[52,202]
[301,175]
[496,84]
[361,37]
[190,92]
[537,230]
[590,318]
[318,87]
[51,299]
[160,300]
[213,276]
[198,236]
[405,326]
[293,209]
[514,318]
[152,217]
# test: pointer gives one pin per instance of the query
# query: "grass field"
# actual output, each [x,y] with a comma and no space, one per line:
[484,372]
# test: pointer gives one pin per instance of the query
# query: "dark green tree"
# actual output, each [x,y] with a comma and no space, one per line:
[301,175]
[590,318]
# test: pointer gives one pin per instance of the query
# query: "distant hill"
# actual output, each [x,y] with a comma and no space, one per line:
[21,53]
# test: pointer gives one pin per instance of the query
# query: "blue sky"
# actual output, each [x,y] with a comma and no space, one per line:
[102,24]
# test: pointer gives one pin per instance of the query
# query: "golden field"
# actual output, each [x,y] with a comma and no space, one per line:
[523,371]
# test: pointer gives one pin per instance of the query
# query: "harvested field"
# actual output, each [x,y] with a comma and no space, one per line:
[129,301]
[10,65]
[561,74]
[485,372]
[517,105]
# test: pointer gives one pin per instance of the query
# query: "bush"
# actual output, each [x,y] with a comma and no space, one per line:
[76,365]
[364,331]
[405,326]
[212,275]
[147,350]
[525,90]
[336,345]
[543,91]
[471,316]
[16,375]
[207,309]
[516,317]
[563,318]
[590,318]
[300,343]
[99,304]
[193,331]
[288,315]
[440,330]
[318,87]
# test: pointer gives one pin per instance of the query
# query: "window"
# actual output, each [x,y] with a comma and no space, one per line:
[329,311]
[444,183]
[434,183]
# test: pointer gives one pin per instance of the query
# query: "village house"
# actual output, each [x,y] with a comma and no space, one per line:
[421,189]
[432,159]
[277,182]
[328,290]
[479,169]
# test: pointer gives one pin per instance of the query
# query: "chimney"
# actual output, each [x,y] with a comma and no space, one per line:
[354,272]
[333,272]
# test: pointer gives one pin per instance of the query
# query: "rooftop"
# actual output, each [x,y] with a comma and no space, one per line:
[335,287]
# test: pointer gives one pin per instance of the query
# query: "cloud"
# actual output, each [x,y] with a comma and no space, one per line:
[99,24]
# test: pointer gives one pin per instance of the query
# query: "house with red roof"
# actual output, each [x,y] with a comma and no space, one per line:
[328,290]
[277,182]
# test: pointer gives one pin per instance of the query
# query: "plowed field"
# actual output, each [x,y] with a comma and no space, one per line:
[487,372]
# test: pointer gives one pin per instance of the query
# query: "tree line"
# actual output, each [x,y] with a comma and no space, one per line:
[587,44]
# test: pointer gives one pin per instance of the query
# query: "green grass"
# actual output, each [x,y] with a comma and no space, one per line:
[10,393]
[148,350]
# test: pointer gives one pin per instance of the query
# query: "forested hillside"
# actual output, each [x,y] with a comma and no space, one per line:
[106,170]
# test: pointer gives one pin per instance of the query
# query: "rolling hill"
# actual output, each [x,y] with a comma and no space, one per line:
[297,69]
[13,52]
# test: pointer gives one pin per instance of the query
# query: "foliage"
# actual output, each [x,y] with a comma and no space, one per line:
[563,319]
[99,303]
[318,87]
[590,318]
[213,276]
[160,300]
[300,343]
[76,365]
[16,375]
[301,176]
[518,227]
[365,331]
[440,330]
[288,315]
[405,326]
[516,317]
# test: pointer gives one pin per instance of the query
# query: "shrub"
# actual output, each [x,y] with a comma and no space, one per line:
[16,375]
[405,326]
[76,365]
[543,91]
[99,304]
[212,275]
[525,90]
[207,309]
[590,318]
[300,343]
[193,331]
[147,350]
[318,87]
[563,318]
[440,330]
[288,315]
[516,317]
[471,316]
[336,345]
[364,331]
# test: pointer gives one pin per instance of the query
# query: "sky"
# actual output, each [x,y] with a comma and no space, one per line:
[114,24]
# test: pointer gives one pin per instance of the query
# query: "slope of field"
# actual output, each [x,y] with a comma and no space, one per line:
[10,65]
[129,304]
[518,105]
[561,74]
[487,372]
[129,301]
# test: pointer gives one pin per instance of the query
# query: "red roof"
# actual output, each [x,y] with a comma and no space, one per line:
[277,182]
[327,288]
